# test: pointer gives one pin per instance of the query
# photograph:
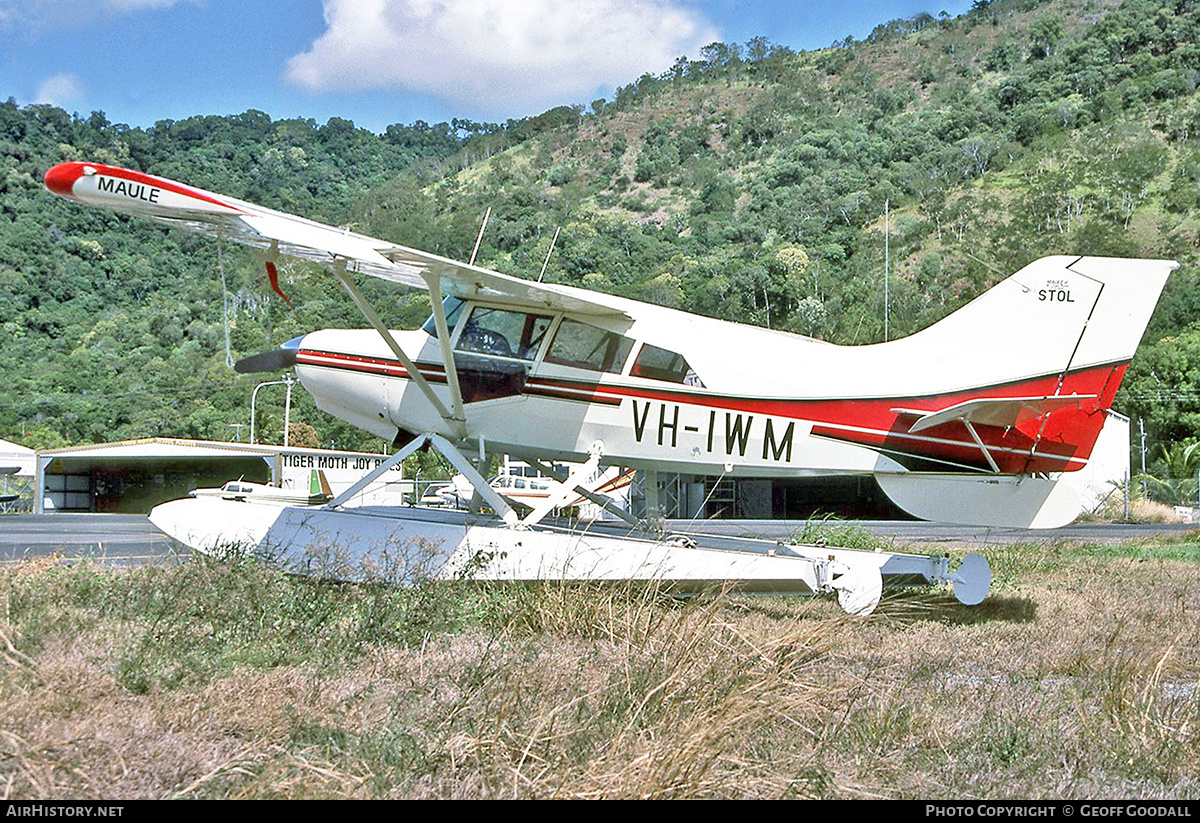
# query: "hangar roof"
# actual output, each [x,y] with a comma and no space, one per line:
[160,447]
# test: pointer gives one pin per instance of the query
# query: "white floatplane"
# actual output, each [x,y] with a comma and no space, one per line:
[527,487]
[318,492]
[973,420]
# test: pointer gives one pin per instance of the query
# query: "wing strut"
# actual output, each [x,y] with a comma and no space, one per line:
[457,423]
[443,333]
[979,442]
[447,450]
[599,499]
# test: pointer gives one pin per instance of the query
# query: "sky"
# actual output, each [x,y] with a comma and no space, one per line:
[379,62]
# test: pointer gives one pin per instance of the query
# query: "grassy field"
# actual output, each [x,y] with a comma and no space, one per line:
[1078,677]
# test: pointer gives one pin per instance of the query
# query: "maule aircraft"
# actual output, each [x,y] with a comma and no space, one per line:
[973,420]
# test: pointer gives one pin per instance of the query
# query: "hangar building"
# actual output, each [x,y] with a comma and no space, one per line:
[16,476]
[134,476]
[800,498]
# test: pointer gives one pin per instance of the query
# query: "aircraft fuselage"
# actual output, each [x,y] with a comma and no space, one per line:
[684,393]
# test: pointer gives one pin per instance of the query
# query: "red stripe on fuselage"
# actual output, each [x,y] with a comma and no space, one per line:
[1059,441]
[1063,443]
[577,391]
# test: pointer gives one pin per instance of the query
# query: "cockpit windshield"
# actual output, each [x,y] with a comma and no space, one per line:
[452,306]
[503,333]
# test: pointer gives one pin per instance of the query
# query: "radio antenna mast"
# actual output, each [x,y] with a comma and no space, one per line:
[479,239]
[549,251]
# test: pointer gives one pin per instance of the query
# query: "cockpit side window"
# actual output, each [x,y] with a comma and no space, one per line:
[587,347]
[660,364]
[503,333]
[452,306]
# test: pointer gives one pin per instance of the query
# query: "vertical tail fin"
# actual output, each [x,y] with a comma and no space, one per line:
[1037,361]
[1055,316]
[318,486]
[1019,380]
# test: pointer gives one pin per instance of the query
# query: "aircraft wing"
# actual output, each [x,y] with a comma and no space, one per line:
[994,411]
[272,231]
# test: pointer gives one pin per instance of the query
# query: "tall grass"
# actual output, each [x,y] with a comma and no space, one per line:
[1079,676]
[277,685]
[829,531]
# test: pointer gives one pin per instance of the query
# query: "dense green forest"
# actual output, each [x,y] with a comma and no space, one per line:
[751,184]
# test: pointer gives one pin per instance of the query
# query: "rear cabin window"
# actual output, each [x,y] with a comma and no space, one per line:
[588,347]
[503,333]
[661,364]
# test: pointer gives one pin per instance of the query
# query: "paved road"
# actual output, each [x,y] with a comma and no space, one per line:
[915,532]
[113,539]
[130,539]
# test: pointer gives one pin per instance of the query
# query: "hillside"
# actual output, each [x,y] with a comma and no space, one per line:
[750,184]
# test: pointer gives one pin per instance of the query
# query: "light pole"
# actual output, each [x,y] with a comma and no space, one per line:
[288,381]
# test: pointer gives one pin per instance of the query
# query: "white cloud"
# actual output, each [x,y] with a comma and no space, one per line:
[497,56]
[60,90]
[121,6]
[38,13]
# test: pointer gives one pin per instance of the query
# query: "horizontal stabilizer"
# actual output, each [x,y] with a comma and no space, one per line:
[995,411]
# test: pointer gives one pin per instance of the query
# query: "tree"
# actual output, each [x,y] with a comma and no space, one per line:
[1173,479]
[303,435]
[1045,31]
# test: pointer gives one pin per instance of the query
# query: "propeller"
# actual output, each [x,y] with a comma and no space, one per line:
[278,359]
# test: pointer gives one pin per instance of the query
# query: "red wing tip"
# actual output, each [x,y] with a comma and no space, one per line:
[61,179]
